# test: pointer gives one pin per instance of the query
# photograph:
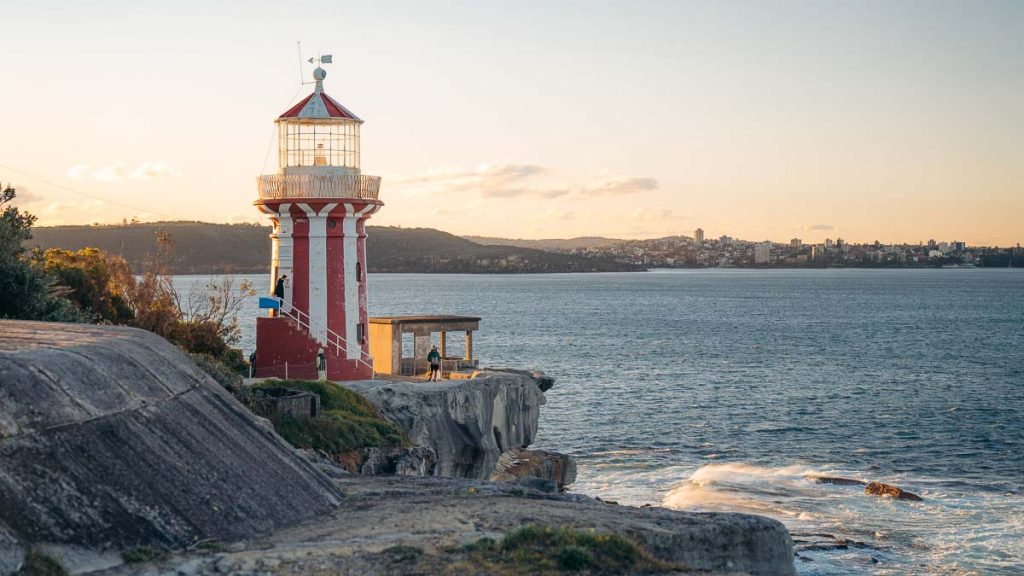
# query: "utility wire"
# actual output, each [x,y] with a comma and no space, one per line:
[270,141]
[85,194]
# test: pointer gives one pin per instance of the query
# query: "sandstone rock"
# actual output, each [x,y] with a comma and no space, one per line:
[468,423]
[415,461]
[879,489]
[111,438]
[534,483]
[437,514]
[517,463]
[323,462]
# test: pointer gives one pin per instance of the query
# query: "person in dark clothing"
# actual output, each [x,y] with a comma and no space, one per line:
[279,293]
[434,358]
[279,287]
[252,364]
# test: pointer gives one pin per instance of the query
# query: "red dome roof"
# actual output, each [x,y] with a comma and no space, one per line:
[319,105]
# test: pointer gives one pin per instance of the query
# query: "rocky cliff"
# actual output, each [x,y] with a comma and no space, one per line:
[468,423]
[111,438]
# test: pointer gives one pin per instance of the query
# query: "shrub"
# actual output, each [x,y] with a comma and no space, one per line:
[219,371]
[39,564]
[536,549]
[347,421]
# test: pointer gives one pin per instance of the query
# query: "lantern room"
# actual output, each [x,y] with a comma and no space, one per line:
[318,135]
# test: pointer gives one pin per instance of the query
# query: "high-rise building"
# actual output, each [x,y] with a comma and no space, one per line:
[318,202]
[762,253]
[698,235]
[795,243]
[828,243]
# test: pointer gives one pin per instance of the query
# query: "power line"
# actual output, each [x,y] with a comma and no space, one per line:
[85,194]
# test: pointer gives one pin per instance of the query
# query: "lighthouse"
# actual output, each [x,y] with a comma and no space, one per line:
[318,201]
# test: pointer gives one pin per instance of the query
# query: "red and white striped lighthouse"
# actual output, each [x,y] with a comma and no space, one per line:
[318,201]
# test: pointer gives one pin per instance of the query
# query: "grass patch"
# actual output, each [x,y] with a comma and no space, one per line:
[536,549]
[347,421]
[39,564]
[141,554]
[402,554]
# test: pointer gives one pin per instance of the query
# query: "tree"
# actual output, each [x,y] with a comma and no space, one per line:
[152,299]
[26,291]
[98,283]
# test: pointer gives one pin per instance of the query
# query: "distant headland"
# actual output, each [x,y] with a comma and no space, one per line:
[205,248]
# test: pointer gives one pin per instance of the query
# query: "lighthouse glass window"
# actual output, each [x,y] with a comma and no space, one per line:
[313,143]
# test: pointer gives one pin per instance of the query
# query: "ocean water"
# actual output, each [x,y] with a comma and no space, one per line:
[727,390]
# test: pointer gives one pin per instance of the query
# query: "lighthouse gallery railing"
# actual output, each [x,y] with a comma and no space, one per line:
[276,186]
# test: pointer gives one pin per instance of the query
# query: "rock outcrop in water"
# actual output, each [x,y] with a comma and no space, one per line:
[879,489]
[112,438]
[519,466]
[468,423]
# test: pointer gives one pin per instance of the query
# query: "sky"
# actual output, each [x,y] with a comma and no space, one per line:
[897,121]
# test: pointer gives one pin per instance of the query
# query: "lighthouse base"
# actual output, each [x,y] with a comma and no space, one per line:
[286,350]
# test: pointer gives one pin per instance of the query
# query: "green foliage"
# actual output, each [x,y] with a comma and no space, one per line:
[97,283]
[145,554]
[535,549]
[198,338]
[402,553]
[39,564]
[333,398]
[348,421]
[26,291]
[219,371]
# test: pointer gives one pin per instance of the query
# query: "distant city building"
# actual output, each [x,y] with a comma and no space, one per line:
[795,243]
[828,243]
[762,253]
[725,240]
[698,235]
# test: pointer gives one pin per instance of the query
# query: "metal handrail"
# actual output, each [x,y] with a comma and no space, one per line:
[277,186]
[315,328]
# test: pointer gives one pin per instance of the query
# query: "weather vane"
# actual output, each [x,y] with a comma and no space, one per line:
[319,60]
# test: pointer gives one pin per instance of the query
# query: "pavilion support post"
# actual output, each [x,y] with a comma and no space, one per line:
[469,344]
[444,343]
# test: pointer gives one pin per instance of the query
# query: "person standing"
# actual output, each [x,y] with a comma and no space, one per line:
[279,292]
[434,358]
[279,287]
[321,365]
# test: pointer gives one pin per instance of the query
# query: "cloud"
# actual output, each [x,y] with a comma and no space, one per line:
[512,180]
[494,180]
[70,212]
[252,216]
[149,171]
[23,195]
[620,186]
[819,227]
[556,214]
[118,172]
[651,215]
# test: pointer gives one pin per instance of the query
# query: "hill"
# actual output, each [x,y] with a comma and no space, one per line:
[547,244]
[204,248]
